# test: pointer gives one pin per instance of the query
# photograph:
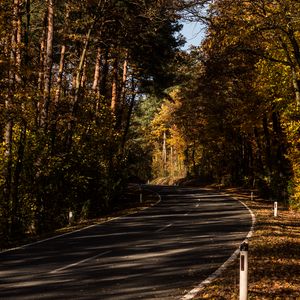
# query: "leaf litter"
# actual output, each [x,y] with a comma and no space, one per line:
[274,256]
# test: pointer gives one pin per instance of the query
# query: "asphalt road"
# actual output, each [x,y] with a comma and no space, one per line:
[160,253]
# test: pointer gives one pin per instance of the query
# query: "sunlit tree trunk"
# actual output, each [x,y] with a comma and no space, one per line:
[296,85]
[48,64]
[27,32]
[123,92]
[124,80]
[95,86]
[96,80]
[41,72]
[114,87]
[60,74]
[164,152]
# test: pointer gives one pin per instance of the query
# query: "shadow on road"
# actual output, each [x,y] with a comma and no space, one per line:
[159,253]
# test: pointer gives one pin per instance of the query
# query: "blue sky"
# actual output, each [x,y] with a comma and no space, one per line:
[194,32]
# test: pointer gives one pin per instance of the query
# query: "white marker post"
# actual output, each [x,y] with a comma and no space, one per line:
[141,198]
[71,216]
[251,196]
[275,209]
[141,194]
[244,271]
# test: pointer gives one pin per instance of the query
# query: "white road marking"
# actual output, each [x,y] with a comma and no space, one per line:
[193,293]
[163,228]
[78,263]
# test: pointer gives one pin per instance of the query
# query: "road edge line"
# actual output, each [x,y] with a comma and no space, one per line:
[193,293]
[81,229]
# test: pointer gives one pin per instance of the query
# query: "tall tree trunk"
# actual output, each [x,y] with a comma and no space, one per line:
[60,74]
[41,72]
[114,87]
[26,33]
[129,114]
[268,144]
[96,81]
[164,153]
[14,83]
[48,65]
[296,85]
[61,62]
[7,172]
[77,88]
[280,145]
[57,97]
[83,77]
[104,75]
[95,86]
[16,225]
[123,91]
[259,150]
[124,80]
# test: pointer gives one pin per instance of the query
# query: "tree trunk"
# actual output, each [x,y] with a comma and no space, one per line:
[16,226]
[14,83]
[259,149]
[280,144]
[123,91]
[296,85]
[77,88]
[124,80]
[26,33]
[95,86]
[48,65]
[129,114]
[164,153]
[114,87]
[268,144]
[60,74]
[104,75]
[41,73]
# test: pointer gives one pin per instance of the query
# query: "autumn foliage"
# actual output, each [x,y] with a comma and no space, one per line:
[239,98]
[71,73]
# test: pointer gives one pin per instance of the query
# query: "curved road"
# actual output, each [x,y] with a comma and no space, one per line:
[159,253]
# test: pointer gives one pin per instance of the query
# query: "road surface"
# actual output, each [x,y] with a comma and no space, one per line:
[159,253]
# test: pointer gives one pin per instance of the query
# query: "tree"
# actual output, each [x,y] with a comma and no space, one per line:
[245,112]
[70,80]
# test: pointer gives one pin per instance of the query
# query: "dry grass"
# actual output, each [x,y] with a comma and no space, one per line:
[274,256]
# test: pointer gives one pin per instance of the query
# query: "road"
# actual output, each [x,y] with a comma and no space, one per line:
[159,253]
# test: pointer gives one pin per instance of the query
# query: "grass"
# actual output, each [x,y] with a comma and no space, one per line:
[274,256]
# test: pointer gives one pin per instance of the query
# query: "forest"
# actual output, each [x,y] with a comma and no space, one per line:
[95,94]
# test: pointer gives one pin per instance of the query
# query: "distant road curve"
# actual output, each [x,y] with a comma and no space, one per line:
[159,253]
